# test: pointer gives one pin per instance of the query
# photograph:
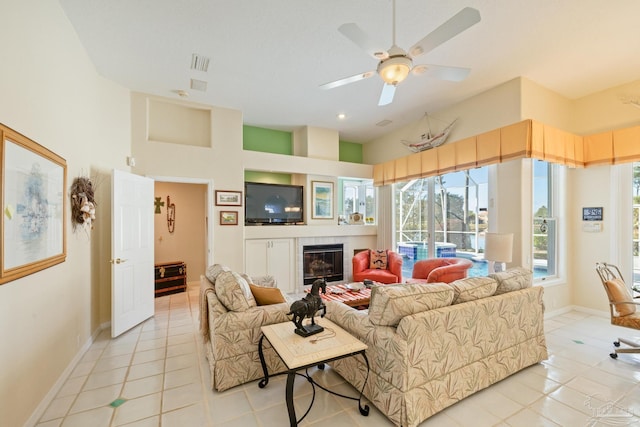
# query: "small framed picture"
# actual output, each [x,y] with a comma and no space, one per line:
[228,218]
[228,198]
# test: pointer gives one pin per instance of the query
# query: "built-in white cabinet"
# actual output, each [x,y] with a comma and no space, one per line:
[272,256]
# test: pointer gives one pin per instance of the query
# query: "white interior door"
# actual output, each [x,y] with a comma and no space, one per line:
[132,286]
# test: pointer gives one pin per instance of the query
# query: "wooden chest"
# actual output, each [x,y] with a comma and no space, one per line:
[171,277]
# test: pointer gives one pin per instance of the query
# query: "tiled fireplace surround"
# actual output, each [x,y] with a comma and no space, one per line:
[308,241]
[352,237]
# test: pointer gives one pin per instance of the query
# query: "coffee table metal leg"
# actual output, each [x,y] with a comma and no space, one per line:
[364,410]
[263,382]
[289,397]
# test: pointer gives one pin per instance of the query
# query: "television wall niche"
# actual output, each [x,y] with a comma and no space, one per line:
[273,204]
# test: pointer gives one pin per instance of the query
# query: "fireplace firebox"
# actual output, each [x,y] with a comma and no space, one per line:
[323,261]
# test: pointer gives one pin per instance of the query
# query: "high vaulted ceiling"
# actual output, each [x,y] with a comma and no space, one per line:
[269,57]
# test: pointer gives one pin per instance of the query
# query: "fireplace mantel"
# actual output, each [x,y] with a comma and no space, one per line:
[295,231]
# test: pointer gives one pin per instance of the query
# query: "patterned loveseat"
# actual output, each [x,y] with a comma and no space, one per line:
[431,345]
[230,322]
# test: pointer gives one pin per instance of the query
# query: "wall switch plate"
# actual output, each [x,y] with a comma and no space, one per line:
[591,227]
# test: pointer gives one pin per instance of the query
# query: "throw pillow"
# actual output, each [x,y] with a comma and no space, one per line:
[266,296]
[266,281]
[214,270]
[390,303]
[512,280]
[473,288]
[618,291]
[234,292]
[378,259]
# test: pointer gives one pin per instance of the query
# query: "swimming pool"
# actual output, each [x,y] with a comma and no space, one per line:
[478,269]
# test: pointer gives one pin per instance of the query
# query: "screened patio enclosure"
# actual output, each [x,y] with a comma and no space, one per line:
[444,215]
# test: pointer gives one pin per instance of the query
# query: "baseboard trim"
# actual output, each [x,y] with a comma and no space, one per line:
[53,391]
[568,308]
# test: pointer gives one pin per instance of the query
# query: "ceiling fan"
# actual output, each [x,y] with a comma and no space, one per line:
[395,64]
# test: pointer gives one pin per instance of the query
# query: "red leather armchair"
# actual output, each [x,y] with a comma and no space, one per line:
[361,270]
[441,270]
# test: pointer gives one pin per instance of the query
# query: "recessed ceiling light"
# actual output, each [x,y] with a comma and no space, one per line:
[341,116]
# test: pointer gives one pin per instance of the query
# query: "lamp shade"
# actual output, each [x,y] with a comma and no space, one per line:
[498,247]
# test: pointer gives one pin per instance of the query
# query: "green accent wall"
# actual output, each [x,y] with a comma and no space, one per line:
[350,152]
[281,142]
[267,177]
[266,140]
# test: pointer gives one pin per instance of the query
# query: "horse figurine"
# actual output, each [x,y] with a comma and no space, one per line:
[308,307]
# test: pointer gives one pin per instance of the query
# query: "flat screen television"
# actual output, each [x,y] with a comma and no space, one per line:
[273,203]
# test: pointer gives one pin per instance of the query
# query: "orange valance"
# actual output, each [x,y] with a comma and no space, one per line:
[488,148]
[525,139]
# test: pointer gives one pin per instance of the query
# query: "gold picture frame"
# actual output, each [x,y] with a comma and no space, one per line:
[34,206]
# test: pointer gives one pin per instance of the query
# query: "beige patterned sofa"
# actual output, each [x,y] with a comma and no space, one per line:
[431,345]
[230,322]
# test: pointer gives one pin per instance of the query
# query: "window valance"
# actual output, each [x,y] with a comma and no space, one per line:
[525,139]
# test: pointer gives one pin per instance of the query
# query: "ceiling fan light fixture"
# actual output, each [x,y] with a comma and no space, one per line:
[395,69]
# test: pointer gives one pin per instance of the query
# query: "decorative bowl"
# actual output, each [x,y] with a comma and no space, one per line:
[357,286]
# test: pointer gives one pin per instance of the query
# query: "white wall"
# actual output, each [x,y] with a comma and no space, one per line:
[605,110]
[222,163]
[52,94]
[489,110]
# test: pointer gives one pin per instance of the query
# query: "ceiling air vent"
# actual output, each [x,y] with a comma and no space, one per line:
[199,62]
[199,85]
[383,123]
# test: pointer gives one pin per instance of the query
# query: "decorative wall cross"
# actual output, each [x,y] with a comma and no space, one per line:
[158,204]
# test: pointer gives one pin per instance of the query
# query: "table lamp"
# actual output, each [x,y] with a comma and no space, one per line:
[498,248]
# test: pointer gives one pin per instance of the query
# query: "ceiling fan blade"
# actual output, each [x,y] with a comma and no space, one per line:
[386,97]
[360,38]
[452,74]
[459,22]
[347,80]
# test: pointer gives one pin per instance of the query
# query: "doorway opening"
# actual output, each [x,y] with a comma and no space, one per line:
[182,233]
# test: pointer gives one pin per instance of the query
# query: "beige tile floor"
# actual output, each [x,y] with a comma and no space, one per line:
[159,371]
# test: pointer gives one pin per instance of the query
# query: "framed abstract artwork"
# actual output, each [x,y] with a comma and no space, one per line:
[34,205]
[322,199]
